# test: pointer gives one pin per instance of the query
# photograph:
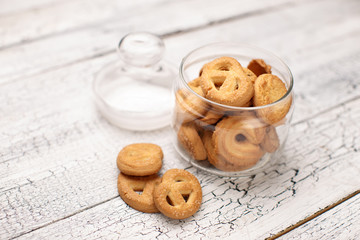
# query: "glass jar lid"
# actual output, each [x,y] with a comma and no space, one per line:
[135,91]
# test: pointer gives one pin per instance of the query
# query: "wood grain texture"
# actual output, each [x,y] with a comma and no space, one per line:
[44,157]
[304,45]
[318,167]
[63,16]
[72,15]
[101,38]
[341,222]
[57,154]
[10,7]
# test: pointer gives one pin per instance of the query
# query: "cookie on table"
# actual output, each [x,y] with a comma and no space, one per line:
[140,159]
[129,186]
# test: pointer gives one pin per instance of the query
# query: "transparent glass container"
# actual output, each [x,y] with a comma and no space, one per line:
[222,139]
[134,92]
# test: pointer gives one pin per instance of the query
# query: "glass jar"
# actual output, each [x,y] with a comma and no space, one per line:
[225,139]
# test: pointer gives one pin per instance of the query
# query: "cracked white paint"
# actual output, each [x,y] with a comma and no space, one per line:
[57,154]
[341,222]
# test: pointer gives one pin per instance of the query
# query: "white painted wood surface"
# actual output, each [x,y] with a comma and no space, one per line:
[341,222]
[57,154]
[83,43]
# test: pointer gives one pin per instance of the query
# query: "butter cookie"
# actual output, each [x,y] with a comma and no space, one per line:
[128,186]
[269,89]
[179,194]
[140,159]
[258,67]
[224,81]
[189,138]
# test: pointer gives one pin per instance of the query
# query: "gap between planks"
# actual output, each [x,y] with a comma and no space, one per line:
[174,33]
[326,110]
[318,213]
[276,8]
[234,18]
[277,235]
[63,218]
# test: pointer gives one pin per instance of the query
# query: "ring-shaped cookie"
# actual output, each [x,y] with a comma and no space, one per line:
[246,125]
[179,194]
[232,141]
[128,186]
[224,81]
[215,159]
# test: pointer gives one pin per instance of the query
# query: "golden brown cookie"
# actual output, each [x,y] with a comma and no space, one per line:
[250,75]
[224,81]
[179,194]
[189,138]
[128,186]
[268,89]
[140,159]
[258,67]
[249,103]
[215,159]
[271,140]
[195,86]
[211,117]
[235,139]
[246,125]
[189,106]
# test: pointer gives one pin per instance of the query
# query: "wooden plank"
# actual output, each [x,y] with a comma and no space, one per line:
[99,39]
[32,159]
[8,7]
[308,60]
[43,155]
[64,16]
[341,222]
[33,101]
[51,125]
[319,166]
[72,15]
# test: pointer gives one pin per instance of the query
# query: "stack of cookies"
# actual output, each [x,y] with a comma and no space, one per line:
[177,194]
[229,137]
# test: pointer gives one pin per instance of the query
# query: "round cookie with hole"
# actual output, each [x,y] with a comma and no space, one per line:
[179,194]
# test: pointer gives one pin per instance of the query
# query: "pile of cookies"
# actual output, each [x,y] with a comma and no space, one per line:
[231,139]
[177,194]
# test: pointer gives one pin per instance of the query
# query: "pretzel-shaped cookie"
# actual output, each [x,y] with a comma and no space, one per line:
[128,186]
[179,194]
[224,81]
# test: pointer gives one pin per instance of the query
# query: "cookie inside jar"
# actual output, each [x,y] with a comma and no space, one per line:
[236,110]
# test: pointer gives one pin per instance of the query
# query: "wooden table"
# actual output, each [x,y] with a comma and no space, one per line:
[57,154]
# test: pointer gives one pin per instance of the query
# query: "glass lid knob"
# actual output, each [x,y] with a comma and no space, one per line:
[141,49]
